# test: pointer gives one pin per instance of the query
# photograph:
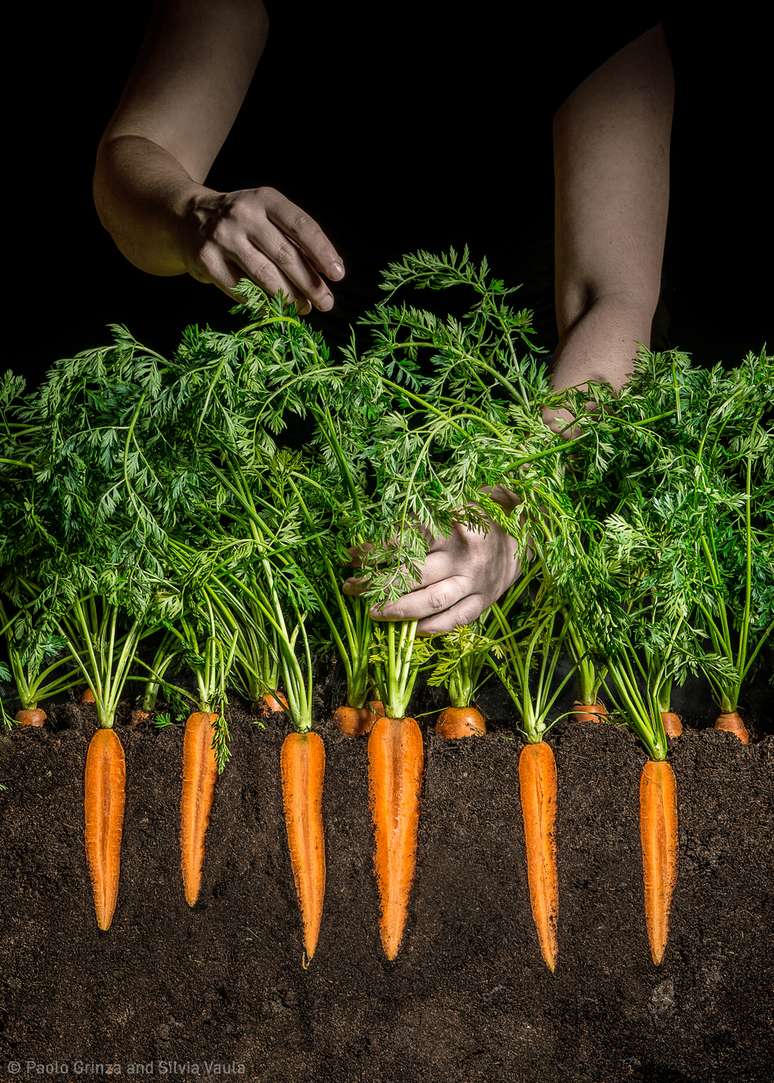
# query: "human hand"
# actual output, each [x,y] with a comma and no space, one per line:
[462,575]
[259,234]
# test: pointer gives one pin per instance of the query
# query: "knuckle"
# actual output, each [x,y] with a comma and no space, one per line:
[284,254]
[437,601]
[300,221]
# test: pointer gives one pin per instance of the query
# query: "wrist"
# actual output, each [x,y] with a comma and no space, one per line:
[193,208]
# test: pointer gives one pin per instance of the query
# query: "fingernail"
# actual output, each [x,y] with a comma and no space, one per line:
[338,269]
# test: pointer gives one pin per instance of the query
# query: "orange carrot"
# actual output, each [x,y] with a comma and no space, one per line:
[87,696]
[103,808]
[732,722]
[456,722]
[395,766]
[31,716]
[589,712]
[358,721]
[673,725]
[658,836]
[200,772]
[272,703]
[302,769]
[139,716]
[538,792]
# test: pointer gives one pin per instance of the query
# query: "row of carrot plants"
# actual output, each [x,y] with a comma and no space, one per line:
[185,523]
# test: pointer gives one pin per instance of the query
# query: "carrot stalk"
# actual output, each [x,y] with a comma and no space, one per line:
[103,808]
[658,836]
[31,716]
[589,712]
[538,792]
[200,772]
[395,766]
[458,722]
[673,725]
[302,770]
[732,722]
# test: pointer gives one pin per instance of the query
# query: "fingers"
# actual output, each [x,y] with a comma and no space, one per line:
[464,612]
[305,233]
[437,566]
[270,246]
[426,601]
[225,273]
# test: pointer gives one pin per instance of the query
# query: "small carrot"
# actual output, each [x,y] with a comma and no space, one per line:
[200,772]
[103,807]
[87,696]
[358,721]
[395,767]
[673,725]
[589,712]
[538,793]
[458,722]
[302,770]
[272,703]
[31,716]
[658,836]
[140,716]
[732,722]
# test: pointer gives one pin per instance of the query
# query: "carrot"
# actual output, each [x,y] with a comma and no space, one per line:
[87,696]
[732,722]
[658,836]
[589,712]
[395,766]
[538,792]
[31,716]
[272,703]
[358,721]
[200,772]
[302,769]
[139,716]
[456,722]
[673,725]
[103,809]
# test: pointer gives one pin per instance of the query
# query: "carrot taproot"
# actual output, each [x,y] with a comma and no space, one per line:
[272,703]
[589,712]
[455,723]
[658,837]
[200,772]
[31,716]
[87,696]
[353,721]
[395,768]
[302,770]
[103,808]
[732,722]
[673,724]
[538,793]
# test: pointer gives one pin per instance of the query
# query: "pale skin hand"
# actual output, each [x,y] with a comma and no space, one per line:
[611,152]
[179,105]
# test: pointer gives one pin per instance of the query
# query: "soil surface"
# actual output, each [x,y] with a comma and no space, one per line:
[170,992]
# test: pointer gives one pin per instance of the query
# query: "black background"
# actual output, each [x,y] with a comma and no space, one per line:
[396,126]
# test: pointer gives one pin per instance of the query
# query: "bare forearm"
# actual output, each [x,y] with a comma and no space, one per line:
[611,147]
[142,195]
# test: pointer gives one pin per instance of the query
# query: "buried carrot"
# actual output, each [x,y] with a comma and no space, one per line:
[538,794]
[455,723]
[31,716]
[302,770]
[200,772]
[589,712]
[395,767]
[732,722]
[358,721]
[87,696]
[103,807]
[673,725]
[272,703]
[658,837]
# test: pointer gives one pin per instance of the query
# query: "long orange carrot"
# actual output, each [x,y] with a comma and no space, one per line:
[458,722]
[538,792]
[31,716]
[732,722]
[200,772]
[395,767]
[302,769]
[103,809]
[658,836]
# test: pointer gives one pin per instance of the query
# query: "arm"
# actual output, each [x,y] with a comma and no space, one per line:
[187,86]
[611,158]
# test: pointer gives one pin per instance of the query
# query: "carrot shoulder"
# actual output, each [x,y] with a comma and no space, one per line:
[455,723]
[395,767]
[732,722]
[538,792]
[103,808]
[658,836]
[200,772]
[302,769]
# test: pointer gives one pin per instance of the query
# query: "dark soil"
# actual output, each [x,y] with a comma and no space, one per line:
[468,998]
